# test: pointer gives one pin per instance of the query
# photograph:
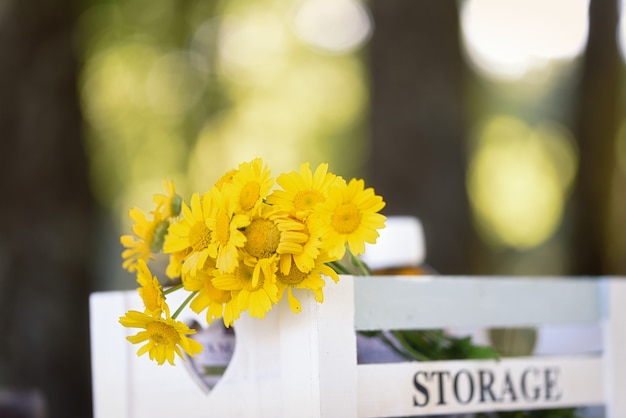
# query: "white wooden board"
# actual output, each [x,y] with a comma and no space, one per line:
[303,365]
[448,387]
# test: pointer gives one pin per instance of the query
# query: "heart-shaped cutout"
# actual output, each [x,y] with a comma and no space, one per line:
[218,345]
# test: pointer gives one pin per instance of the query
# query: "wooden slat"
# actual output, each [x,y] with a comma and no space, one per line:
[109,356]
[448,387]
[614,291]
[444,301]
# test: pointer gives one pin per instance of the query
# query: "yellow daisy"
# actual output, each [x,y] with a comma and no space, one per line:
[227,178]
[312,281]
[168,204]
[147,239]
[273,233]
[231,312]
[150,291]
[301,246]
[258,297]
[210,298]
[263,236]
[225,224]
[250,185]
[163,337]
[349,216]
[297,279]
[302,192]
[192,234]
[175,266]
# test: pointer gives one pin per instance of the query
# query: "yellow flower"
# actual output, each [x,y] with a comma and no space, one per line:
[225,225]
[193,283]
[175,266]
[150,291]
[163,337]
[250,185]
[296,278]
[240,246]
[210,298]
[349,216]
[302,192]
[150,233]
[191,233]
[258,297]
[262,237]
[147,239]
[169,204]
[272,233]
[301,246]
[227,178]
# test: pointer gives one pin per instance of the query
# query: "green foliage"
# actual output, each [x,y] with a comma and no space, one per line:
[432,345]
[539,413]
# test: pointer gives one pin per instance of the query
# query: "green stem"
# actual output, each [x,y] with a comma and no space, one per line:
[358,263]
[405,344]
[182,306]
[351,265]
[440,335]
[391,345]
[172,289]
[338,267]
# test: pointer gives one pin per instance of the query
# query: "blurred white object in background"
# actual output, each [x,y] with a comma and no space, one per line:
[400,244]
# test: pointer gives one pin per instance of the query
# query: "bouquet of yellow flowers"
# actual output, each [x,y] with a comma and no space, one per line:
[241,245]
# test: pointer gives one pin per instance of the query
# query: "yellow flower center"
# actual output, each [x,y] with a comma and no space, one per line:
[346,218]
[245,276]
[162,333]
[199,236]
[294,277]
[222,227]
[306,200]
[262,238]
[250,194]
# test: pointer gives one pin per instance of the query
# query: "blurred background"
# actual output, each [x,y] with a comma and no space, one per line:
[500,124]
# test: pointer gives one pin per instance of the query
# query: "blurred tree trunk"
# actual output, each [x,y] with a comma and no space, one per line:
[418,155]
[46,210]
[596,131]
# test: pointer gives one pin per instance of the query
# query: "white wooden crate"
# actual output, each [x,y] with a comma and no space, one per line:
[289,365]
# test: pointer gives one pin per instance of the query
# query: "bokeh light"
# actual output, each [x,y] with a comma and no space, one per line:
[336,26]
[252,46]
[186,93]
[173,84]
[510,39]
[621,34]
[518,180]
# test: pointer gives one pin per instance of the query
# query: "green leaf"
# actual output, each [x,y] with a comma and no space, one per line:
[482,352]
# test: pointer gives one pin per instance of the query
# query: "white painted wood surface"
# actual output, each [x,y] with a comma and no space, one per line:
[441,301]
[575,381]
[305,365]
